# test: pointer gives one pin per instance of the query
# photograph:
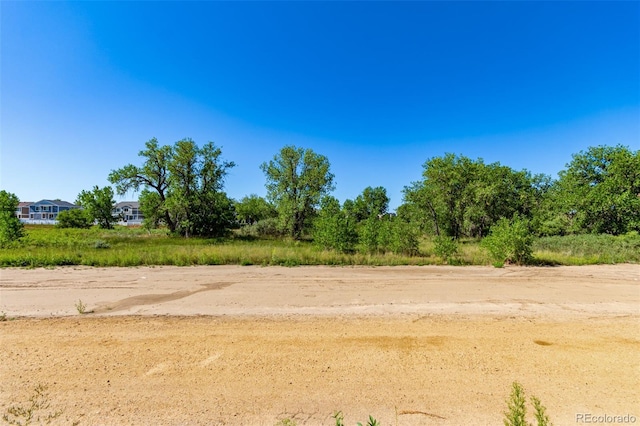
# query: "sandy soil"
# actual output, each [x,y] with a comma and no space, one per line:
[251,345]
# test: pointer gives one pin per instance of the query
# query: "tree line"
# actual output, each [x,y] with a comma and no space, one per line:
[181,187]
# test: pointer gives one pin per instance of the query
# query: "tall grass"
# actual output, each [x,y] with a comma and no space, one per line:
[46,246]
[588,249]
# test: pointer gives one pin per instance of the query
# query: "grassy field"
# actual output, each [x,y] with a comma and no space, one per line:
[48,246]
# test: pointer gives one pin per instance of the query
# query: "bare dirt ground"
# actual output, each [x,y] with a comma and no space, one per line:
[251,346]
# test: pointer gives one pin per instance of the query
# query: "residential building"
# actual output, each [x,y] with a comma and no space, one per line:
[23,209]
[129,212]
[46,211]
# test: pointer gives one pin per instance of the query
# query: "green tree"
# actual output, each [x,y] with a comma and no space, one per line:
[153,178]
[98,205]
[463,197]
[333,228]
[196,199]
[297,178]
[372,202]
[600,191]
[11,229]
[251,209]
[74,218]
[182,187]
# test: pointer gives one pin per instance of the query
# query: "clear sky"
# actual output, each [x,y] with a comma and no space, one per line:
[377,87]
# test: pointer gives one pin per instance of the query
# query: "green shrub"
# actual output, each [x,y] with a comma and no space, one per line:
[11,229]
[510,241]
[388,235]
[74,218]
[333,229]
[368,235]
[445,247]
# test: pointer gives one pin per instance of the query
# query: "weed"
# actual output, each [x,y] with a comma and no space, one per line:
[540,412]
[81,307]
[286,422]
[36,410]
[517,410]
[339,418]
[3,316]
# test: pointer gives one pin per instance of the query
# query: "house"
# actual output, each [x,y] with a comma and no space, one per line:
[46,211]
[129,212]
[22,211]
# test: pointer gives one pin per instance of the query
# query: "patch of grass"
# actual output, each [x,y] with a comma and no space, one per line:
[286,422]
[37,410]
[588,249]
[47,246]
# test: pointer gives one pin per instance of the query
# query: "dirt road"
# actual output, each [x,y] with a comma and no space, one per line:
[251,345]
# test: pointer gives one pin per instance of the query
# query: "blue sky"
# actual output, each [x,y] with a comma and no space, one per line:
[377,87]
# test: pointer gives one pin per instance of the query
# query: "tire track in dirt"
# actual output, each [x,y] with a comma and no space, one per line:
[154,299]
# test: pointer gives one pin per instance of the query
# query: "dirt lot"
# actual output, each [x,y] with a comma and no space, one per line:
[251,345]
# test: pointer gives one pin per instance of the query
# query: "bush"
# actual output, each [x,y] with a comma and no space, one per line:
[445,247]
[388,235]
[368,235]
[509,241]
[333,229]
[74,218]
[11,229]
[402,237]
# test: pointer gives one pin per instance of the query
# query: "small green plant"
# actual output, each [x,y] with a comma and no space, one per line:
[540,412]
[81,307]
[339,418]
[3,316]
[517,410]
[36,410]
[286,422]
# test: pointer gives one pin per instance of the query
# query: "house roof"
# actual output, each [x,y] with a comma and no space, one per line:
[24,203]
[132,204]
[58,203]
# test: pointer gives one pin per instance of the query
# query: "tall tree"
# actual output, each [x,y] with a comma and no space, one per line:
[98,205]
[182,187]
[11,229]
[153,178]
[600,190]
[372,202]
[297,178]
[196,200]
[463,197]
[252,209]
